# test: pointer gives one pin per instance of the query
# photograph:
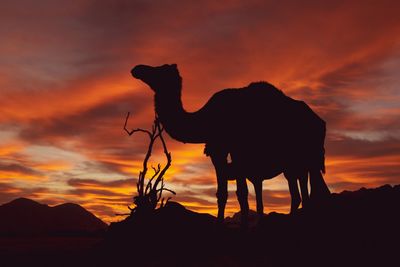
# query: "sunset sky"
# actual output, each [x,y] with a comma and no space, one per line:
[66,88]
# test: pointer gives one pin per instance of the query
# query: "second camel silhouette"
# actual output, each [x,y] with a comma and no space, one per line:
[264,131]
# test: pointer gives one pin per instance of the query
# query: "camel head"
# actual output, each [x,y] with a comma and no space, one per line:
[161,79]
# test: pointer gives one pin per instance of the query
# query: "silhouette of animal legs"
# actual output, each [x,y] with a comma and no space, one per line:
[305,198]
[259,199]
[242,193]
[292,176]
[220,163]
[294,191]
[319,189]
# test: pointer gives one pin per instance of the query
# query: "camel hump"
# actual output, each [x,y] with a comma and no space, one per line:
[266,87]
[252,95]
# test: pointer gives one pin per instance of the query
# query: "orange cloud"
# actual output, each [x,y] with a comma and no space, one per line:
[7,150]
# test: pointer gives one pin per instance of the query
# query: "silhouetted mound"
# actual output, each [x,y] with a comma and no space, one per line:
[360,228]
[235,220]
[169,236]
[27,217]
[171,224]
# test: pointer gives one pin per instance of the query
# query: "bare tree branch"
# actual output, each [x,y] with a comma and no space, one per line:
[167,154]
[150,193]
[156,171]
[134,130]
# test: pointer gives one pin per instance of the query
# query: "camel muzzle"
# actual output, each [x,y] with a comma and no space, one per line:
[141,71]
[137,71]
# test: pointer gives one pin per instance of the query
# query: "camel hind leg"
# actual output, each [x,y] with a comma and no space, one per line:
[257,183]
[319,189]
[294,191]
[242,193]
[303,179]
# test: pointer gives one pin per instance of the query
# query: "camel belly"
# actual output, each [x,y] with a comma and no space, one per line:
[247,168]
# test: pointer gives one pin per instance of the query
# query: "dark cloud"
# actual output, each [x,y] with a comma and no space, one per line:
[105,117]
[196,180]
[276,198]
[17,169]
[362,149]
[91,182]
[197,200]
[10,192]
[97,132]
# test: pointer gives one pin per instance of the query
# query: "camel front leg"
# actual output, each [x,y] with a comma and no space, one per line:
[242,193]
[259,198]
[222,196]
[220,164]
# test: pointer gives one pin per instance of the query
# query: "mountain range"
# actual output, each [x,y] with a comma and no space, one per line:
[24,216]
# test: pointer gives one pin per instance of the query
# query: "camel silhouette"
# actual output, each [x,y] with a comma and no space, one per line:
[264,131]
[292,178]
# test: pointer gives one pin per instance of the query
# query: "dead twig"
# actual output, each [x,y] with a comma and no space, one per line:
[149,195]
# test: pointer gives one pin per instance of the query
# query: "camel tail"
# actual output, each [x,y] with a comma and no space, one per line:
[322,161]
[322,145]
[319,189]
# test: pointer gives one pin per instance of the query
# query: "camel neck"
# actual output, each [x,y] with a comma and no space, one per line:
[178,123]
[169,108]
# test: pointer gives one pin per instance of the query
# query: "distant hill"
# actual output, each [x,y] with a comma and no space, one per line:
[24,216]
